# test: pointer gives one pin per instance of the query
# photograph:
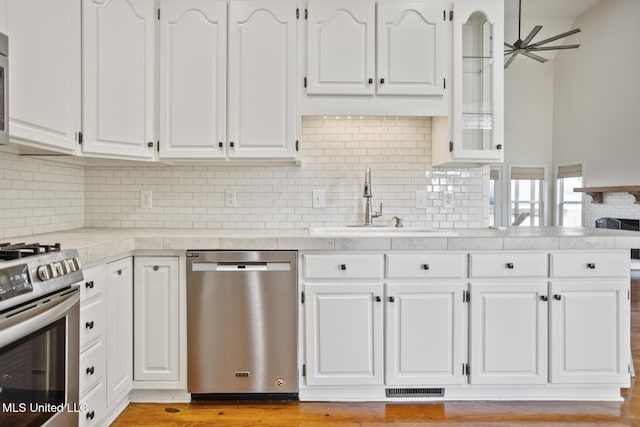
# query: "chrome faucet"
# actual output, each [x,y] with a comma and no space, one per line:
[369,215]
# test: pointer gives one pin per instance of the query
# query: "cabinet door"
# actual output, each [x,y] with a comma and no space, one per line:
[508,333]
[156,298]
[119,329]
[44,46]
[118,61]
[340,47]
[478,80]
[344,342]
[590,332]
[412,46]
[262,74]
[193,79]
[424,334]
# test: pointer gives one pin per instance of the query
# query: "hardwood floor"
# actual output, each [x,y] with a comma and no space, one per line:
[482,414]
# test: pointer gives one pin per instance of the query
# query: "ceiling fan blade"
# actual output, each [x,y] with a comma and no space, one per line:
[566,46]
[534,56]
[510,46]
[531,35]
[511,60]
[559,36]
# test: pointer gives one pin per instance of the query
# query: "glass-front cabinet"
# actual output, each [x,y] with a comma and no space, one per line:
[474,131]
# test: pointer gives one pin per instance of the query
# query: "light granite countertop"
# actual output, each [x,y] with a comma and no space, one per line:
[95,244]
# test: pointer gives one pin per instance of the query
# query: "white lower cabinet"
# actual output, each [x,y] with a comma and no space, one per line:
[156,319]
[508,333]
[425,334]
[105,340]
[344,339]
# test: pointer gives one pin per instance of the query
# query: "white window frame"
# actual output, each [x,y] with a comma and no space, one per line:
[559,192]
[543,193]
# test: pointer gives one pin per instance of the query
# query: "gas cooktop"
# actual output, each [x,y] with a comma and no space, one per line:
[33,270]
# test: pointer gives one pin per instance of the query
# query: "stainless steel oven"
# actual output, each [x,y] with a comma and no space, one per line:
[39,340]
[4,89]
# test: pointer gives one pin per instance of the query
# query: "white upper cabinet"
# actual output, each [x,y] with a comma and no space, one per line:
[119,44]
[44,47]
[193,78]
[376,57]
[473,132]
[340,49]
[411,49]
[262,73]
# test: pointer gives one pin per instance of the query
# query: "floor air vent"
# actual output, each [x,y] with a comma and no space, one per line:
[415,392]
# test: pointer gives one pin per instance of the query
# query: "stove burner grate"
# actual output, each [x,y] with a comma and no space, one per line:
[9,251]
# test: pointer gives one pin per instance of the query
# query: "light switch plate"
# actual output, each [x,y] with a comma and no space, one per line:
[317,198]
[146,199]
[421,199]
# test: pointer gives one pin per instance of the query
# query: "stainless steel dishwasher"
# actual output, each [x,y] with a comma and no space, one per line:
[242,324]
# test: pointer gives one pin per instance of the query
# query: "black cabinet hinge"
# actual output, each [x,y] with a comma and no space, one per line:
[158,14]
[466,296]
[297,13]
[451,146]
[306,14]
[297,145]
[444,15]
[451,15]
[305,82]
[304,370]
[467,370]
[158,145]
[302,297]
[79,137]
[444,83]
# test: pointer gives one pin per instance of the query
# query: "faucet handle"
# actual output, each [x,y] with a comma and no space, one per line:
[398,221]
[377,214]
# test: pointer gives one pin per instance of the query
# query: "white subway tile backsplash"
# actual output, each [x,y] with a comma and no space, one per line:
[41,196]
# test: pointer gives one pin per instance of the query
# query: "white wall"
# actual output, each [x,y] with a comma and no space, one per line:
[597,96]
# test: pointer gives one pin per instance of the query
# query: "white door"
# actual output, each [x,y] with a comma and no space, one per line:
[193,79]
[119,329]
[156,322]
[425,334]
[262,75]
[341,47]
[344,338]
[412,50]
[118,60]
[44,47]
[508,333]
[590,332]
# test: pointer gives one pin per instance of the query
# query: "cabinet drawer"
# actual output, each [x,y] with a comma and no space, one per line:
[403,266]
[92,366]
[93,283]
[508,265]
[94,406]
[343,266]
[590,264]
[92,322]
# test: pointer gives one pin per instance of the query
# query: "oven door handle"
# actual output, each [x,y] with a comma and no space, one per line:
[40,318]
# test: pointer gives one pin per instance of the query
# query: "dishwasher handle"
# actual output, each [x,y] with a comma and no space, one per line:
[240,267]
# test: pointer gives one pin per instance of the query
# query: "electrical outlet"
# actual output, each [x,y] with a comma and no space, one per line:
[230,198]
[448,200]
[421,199]
[146,199]
[317,198]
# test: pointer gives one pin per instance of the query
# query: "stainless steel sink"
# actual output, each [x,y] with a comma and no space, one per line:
[376,231]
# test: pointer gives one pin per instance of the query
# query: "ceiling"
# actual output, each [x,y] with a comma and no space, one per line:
[556,16]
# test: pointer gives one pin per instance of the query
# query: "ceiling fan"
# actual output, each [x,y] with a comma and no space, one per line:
[523,47]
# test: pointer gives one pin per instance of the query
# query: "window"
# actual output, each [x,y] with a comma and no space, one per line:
[569,203]
[497,209]
[527,196]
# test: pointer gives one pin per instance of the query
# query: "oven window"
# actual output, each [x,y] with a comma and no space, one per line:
[32,377]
